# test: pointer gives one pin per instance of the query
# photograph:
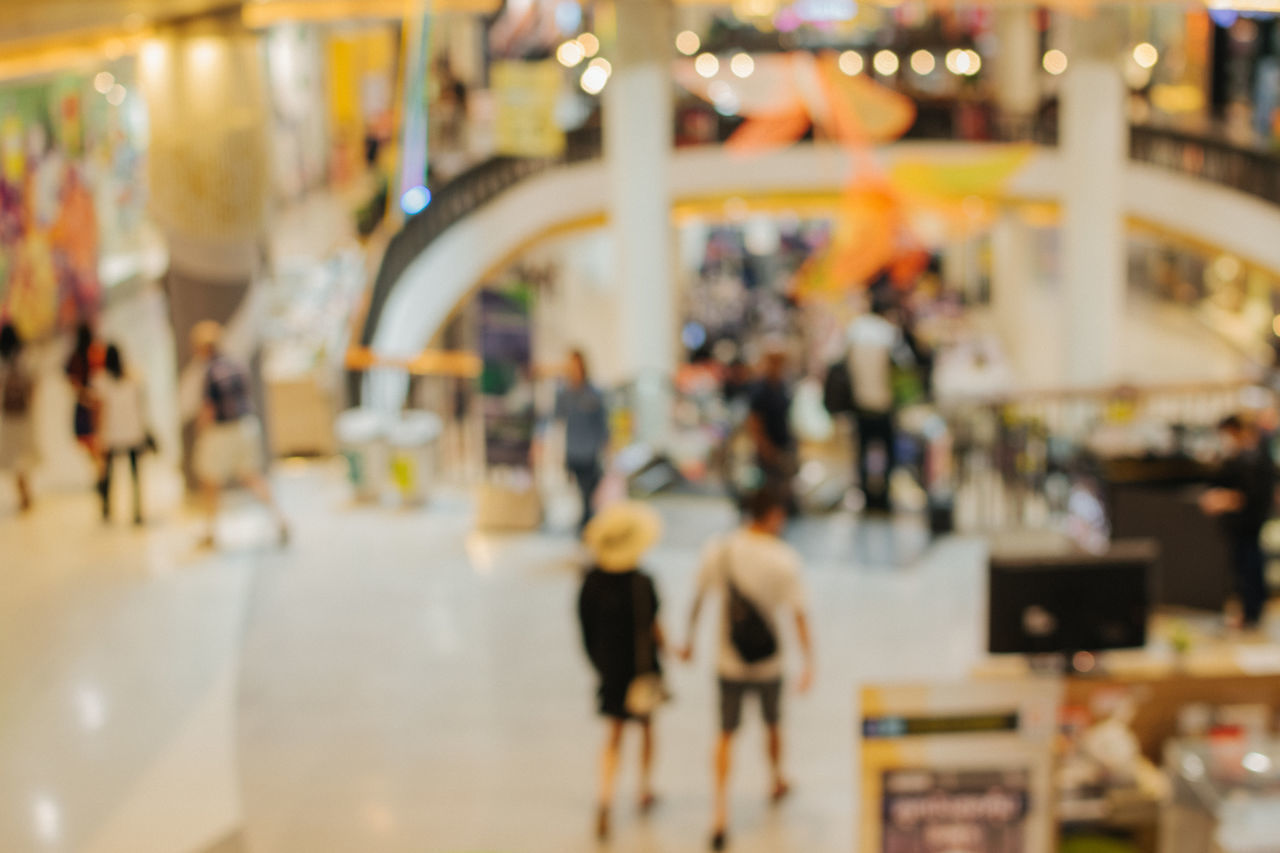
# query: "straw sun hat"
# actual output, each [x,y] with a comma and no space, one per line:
[621,535]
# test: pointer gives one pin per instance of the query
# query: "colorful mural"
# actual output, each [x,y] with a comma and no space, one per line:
[68,155]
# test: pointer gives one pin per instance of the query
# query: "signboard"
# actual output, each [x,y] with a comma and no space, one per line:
[960,768]
[506,385]
[961,811]
[525,94]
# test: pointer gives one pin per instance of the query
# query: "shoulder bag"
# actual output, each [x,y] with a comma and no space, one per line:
[647,691]
[749,631]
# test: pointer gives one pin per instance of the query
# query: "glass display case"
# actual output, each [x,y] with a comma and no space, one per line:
[1226,795]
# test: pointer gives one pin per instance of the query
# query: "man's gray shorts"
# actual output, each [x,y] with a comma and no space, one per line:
[732,694]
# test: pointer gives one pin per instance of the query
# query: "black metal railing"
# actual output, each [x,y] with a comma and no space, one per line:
[1248,169]
[456,200]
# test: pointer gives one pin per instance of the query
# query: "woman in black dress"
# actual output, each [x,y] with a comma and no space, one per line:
[618,610]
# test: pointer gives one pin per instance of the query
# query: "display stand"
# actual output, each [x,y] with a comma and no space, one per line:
[960,767]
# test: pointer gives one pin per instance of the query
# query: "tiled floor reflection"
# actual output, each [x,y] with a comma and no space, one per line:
[396,682]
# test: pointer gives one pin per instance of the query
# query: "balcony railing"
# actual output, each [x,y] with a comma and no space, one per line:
[1248,170]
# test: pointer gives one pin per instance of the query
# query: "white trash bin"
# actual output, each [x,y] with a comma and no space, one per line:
[413,447]
[362,437]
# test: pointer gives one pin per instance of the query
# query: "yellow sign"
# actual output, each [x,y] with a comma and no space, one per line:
[526,95]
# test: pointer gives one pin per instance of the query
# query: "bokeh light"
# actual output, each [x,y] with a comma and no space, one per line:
[886,63]
[570,53]
[1055,62]
[688,43]
[851,63]
[1146,55]
[589,43]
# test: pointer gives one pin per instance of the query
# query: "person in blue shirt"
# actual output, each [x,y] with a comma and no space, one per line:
[580,406]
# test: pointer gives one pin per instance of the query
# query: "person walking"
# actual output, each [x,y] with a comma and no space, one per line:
[122,426]
[581,407]
[228,444]
[758,576]
[17,430]
[1242,499]
[618,613]
[873,341]
[769,424]
[82,366]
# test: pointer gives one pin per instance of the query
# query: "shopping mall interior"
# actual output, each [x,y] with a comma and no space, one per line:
[639,425]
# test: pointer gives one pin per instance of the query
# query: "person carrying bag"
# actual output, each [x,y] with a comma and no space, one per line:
[618,612]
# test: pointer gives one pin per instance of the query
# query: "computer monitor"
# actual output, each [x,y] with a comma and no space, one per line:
[1063,603]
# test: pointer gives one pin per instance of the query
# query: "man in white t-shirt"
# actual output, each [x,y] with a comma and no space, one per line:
[767,572]
[873,339]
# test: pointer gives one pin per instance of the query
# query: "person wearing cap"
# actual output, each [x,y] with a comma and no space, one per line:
[228,444]
[618,613]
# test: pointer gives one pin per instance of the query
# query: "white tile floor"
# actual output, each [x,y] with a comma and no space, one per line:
[394,682]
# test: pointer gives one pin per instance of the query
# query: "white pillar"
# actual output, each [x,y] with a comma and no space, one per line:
[1011,278]
[1017,65]
[638,142]
[209,165]
[1093,141]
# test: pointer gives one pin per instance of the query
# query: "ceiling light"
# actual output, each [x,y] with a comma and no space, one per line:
[688,42]
[923,62]
[851,63]
[1146,55]
[707,65]
[589,43]
[957,61]
[570,53]
[886,63]
[742,65]
[593,80]
[1055,62]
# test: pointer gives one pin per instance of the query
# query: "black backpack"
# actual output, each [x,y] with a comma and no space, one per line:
[837,389]
[749,631]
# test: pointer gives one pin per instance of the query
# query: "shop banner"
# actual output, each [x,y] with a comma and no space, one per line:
[526,95]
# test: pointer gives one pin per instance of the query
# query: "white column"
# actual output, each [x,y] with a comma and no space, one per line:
[1017,65]
[638,142]
[209,167]
[1011,277]
[1093,141]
